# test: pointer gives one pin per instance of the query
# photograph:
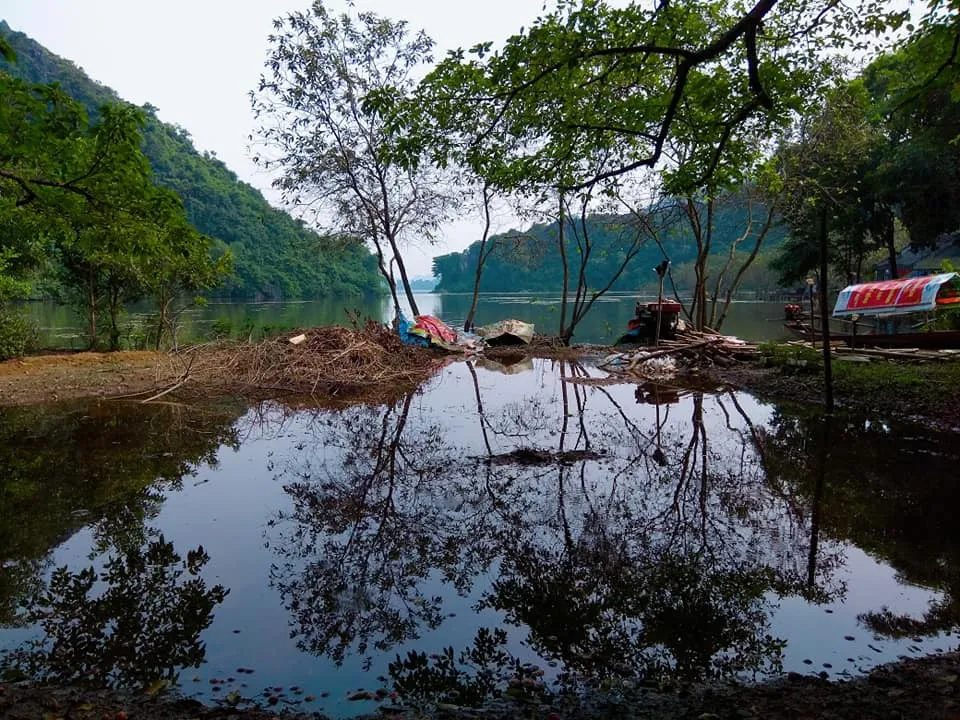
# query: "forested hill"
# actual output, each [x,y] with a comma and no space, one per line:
[274,254]
[528,261]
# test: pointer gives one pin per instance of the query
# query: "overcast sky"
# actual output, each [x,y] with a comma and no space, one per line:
[196,60]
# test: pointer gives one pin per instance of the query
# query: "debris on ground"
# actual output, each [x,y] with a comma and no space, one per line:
[330,362]
[921,689]
[690,348]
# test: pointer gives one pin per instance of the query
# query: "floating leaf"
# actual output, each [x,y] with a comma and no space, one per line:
[156,686]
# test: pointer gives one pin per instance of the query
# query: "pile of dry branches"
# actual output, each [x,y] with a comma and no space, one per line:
[366,363]
[689,348]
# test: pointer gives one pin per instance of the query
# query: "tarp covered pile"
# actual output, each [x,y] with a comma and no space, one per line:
[429,331]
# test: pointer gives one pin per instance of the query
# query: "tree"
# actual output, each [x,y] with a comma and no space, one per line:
[127,238]
[587,77]
[914,105]
[486,249]
[708,307]
[822,197]
[324,102]
[72,182]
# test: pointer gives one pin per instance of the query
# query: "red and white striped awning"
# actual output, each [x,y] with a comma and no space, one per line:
[896,297]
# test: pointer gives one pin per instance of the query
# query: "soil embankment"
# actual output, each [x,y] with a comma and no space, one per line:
[68,376]
[924,689]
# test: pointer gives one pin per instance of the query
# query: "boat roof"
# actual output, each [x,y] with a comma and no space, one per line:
[897,297]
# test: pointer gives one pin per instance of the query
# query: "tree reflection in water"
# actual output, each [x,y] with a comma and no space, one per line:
[143,626]
[656,560]
[889,489]
[106,466]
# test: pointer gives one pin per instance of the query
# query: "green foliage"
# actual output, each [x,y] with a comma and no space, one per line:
[590,91]
[273,254]
[791,358]
[17,335]
[914,101]
[528,261]
[911,381]
[321,101]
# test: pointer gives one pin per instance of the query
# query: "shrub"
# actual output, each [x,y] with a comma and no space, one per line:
[17,335]
[795,358]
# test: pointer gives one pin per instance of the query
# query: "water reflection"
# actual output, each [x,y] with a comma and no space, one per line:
[888,489]
[103,466]
[136,622]
[491,533]
[622,550]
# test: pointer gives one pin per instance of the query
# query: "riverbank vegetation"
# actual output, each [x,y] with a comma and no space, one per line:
[781,157]
[929,391]
[102,205]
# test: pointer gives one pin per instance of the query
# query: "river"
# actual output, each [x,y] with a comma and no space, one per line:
[60,326]
[514,529]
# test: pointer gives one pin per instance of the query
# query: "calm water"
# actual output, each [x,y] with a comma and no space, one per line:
[61,326]
[498,524]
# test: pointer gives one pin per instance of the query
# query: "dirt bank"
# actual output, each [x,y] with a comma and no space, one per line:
[923,689]
[47,378]
[330,364]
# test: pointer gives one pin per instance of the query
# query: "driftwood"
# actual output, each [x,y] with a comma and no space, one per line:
[690,346]
[910,354]
[368,363]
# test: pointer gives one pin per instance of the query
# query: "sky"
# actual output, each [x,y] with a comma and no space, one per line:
[197,60]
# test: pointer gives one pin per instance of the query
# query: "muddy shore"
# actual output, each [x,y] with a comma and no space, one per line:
[924,689]
[934,404]
[50,378]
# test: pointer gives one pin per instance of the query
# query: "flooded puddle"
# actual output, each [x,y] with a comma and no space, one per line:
[516,530]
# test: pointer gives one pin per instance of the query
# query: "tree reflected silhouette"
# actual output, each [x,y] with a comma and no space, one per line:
[645,549]
[889,489]
[136,621]
[99,464]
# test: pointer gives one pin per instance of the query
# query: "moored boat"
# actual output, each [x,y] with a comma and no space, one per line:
[891,313]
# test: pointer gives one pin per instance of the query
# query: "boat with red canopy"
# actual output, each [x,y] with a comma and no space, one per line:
[893,313]
[898,297]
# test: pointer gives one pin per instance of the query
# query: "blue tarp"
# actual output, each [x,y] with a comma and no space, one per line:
[408,338]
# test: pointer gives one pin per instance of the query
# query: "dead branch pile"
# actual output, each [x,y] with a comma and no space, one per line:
[690,348]
[327,361]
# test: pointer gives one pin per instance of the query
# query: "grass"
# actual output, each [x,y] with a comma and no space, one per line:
[872,381]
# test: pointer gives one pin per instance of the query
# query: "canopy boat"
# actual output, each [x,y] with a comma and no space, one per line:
[896,312]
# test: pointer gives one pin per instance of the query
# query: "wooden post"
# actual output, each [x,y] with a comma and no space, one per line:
[661,271]
[656,341]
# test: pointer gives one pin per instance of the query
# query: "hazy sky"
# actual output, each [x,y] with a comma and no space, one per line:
[196,60]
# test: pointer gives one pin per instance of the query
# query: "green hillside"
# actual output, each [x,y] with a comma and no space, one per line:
[274,254]
[528,261]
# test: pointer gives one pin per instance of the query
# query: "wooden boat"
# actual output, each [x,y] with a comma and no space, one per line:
[886,313]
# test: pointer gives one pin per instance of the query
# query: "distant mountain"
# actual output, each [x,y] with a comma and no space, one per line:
[275,255]
[528,261]
[423,284]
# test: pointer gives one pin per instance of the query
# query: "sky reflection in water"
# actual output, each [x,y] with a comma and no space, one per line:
[608,532]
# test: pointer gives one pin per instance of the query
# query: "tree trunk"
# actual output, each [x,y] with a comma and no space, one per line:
[565,334]
[481,259]
[114,307]
[92,308]
[385,272]
[825,315]
[891,249]
[163,301]
[403,278]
